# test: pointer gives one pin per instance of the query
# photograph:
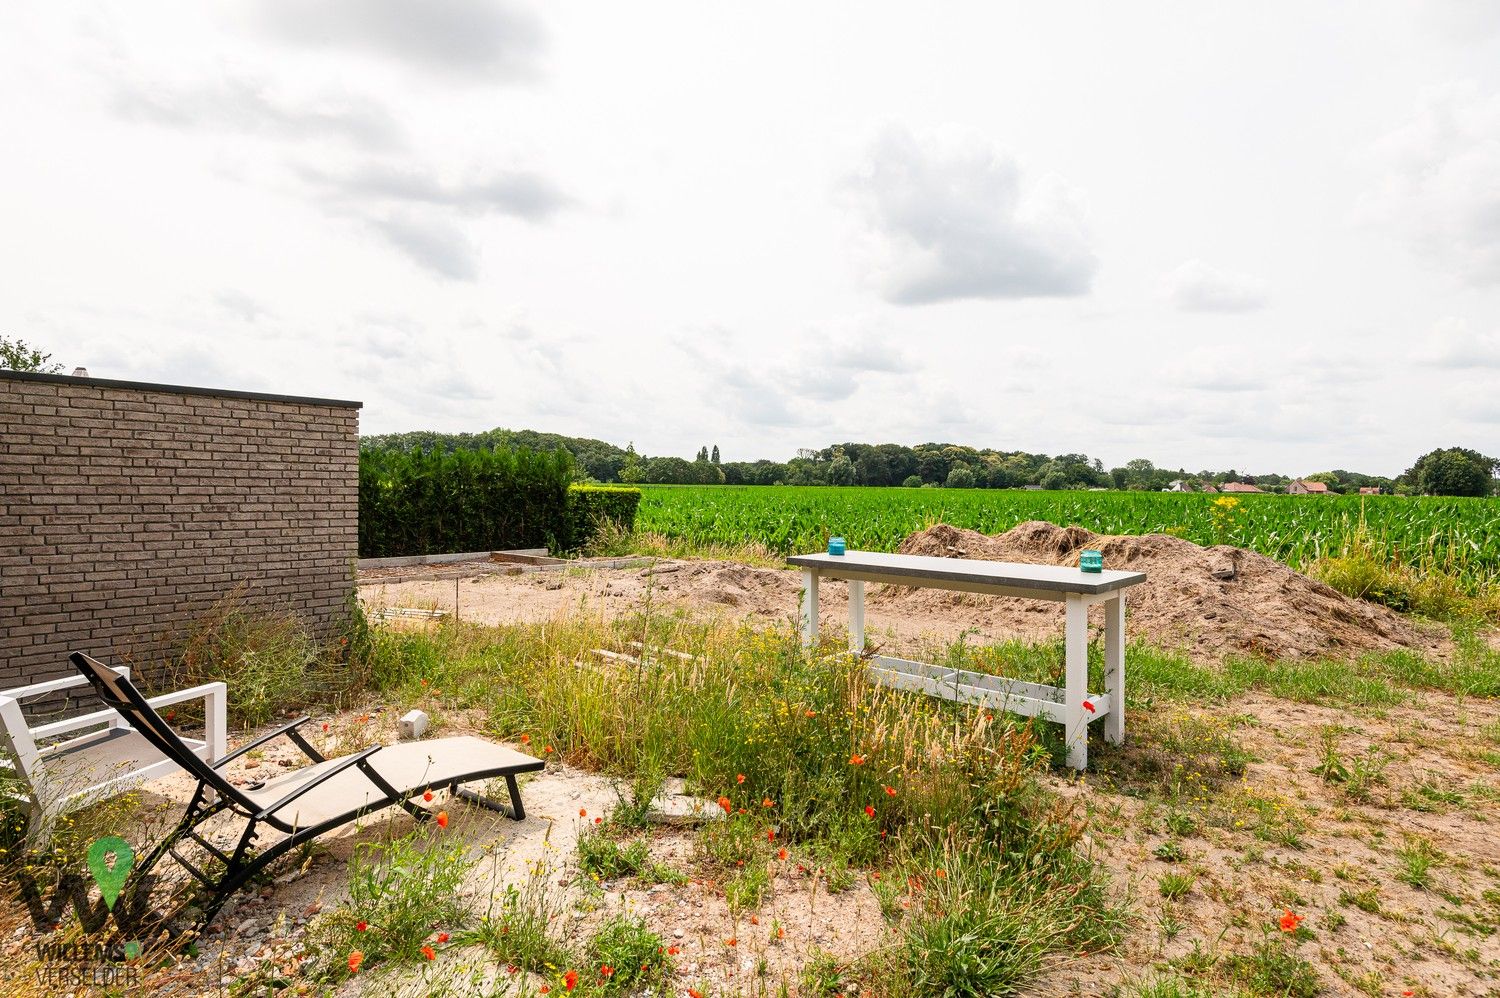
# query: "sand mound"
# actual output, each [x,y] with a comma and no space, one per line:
[1211,601]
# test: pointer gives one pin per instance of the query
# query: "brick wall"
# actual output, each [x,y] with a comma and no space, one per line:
[126,510]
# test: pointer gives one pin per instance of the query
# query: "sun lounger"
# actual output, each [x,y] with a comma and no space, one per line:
[305,803]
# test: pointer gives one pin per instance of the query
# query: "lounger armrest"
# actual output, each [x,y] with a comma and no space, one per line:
[51,686]
[290,730]
[313,784]
[193,693]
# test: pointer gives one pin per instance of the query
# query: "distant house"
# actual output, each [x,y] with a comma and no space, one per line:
[1369,490]
[1301,488]
[1238,487]
[1210,488]
[1177,486]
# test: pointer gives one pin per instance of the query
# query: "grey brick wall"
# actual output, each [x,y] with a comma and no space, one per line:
[127,510]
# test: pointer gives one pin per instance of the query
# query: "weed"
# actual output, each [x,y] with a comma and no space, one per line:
[1417,855]
[398,891]
[628,957]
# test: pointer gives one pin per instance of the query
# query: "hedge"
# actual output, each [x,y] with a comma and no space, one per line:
[591,506]
[428,503]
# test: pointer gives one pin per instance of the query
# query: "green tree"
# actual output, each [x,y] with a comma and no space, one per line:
[912,482]
[714,457]
[960,477]
[1452,471]
[16,355]
[632,471]
[841,471]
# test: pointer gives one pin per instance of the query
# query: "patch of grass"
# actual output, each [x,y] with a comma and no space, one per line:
[628,957]
[1357,775]
[822,976]
[1417,856]
[1367,900]
[270,662]
[399,891]
[1274,968]
[602,857]
[520,925]
[747,887]
[1175,885]
[987,924]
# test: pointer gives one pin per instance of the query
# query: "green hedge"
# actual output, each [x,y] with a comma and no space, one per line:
[591,506]
[430,503]
[417,503]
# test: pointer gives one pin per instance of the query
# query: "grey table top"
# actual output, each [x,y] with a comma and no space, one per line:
[1014,575]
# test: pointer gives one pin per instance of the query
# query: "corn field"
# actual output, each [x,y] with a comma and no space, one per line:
[1460,536]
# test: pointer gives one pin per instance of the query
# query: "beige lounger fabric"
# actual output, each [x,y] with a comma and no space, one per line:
[404,766]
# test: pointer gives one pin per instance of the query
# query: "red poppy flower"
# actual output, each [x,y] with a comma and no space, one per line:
[1289,921]
[427,795]
[889,791]
[754,920]
[427,951]
[856,760]
[570,980]
[355,959]
[547,750]
[768,802]
[525,739]
[673,950]
[1089,707]
[731,941]
[869,811]
[812,713]
[443,937]
[739,777]
[770,835]
[781,855]
[606,971]
[694,993]
[511,968]
[325,727]
[598,821]
[726,805]
[583,812]
[361,926]
[442,819]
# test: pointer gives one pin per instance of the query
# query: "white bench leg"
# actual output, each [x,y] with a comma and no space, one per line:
[1076,671]
[809,608]
[857,617]
[1114,669]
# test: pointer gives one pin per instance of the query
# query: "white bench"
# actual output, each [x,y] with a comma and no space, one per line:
[103,757]
[1071,705]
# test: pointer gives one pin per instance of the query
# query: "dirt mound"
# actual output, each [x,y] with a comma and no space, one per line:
[763,591]
[1211,601]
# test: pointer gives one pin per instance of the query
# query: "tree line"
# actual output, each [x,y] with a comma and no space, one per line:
[1447,471]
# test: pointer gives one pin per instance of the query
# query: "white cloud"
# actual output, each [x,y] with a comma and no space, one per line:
[952,220]
[433,243]
[1194,286]
[484,39]
[1453,343]
[1439,183]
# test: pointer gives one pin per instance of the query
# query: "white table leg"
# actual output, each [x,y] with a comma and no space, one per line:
[1076,671]
[856,617]
[809,608]
[1114,669]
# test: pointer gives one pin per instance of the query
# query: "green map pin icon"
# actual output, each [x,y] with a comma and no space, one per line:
[110,860]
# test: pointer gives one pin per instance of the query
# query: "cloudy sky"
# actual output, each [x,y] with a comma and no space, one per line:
[1264,236]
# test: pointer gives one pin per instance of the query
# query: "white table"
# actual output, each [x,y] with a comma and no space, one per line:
[1072,705]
